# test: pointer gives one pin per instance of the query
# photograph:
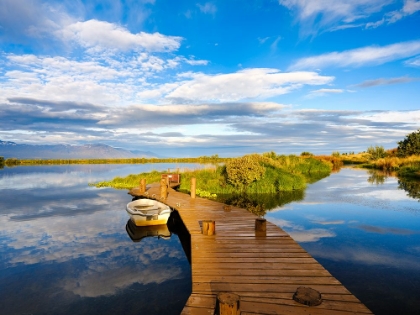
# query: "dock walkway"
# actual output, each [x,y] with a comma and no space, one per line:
[264,271]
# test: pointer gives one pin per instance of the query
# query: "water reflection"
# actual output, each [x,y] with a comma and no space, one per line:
[259,204]
[137,233]
[365,230]
[69,243]
[411,186]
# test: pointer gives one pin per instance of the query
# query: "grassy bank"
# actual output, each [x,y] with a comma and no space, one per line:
[403,166]
[275,173]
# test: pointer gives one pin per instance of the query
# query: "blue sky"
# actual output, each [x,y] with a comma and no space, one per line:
[191,78]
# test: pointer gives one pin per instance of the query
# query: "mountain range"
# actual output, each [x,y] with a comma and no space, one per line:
[10,149]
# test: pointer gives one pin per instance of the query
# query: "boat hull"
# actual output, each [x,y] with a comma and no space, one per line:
[146,212]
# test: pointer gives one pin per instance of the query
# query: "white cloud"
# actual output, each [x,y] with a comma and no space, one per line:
[253,83]
[414,62]
[371,55]
[410,7]
[322,92]
[327,13]
[311,235]
[103,35]
[207,8]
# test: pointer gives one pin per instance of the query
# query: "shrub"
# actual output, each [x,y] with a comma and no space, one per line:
[410,145]
[243,171]
[305,153]
[377,152]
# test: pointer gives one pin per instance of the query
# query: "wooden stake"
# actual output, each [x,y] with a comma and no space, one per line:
[163,189]
[228,303]
[142,185]
[208,227]
[193,187]
[260,227]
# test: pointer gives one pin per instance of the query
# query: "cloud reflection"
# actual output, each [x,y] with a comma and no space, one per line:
[298,232]
[387,230]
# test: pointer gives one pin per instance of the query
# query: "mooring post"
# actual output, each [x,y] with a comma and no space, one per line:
[142,185]
[208,227]
[193,186]
[260,227]
[228,303]
[163,189]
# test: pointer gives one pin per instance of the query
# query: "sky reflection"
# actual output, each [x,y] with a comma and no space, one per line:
[365,233]
[68,242]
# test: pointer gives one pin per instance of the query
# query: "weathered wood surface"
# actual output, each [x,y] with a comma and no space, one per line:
[265,271]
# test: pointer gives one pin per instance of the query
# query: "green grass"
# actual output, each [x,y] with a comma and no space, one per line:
[281,173]
[284,179]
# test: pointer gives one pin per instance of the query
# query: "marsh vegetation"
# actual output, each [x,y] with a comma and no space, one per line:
[254,182]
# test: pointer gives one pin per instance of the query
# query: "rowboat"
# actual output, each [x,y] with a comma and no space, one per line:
[144,212]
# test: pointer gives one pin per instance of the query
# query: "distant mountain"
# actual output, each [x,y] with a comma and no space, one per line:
[10,149]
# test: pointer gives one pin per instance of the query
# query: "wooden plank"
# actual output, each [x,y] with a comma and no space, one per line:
[304,281]
[215,287]
[190,310]
[201,300]
[260,272]
[326,304]
[274,260]
[255,254]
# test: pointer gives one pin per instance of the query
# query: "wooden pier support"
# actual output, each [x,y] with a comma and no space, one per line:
[260,227]
[193,186]
[163,188]
[208,227]
[228,303]
[142,185]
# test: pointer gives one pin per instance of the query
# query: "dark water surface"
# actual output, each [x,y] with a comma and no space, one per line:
[366,232]
[64,248]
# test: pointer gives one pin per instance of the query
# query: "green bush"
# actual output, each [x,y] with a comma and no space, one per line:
[410,145]
[377,152]
[243,171]
[305,153]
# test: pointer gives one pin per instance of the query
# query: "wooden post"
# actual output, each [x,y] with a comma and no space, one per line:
[208,227]
[228,303]
[260,227]
[142,185]
[193,186]
[163,189]
[307,296]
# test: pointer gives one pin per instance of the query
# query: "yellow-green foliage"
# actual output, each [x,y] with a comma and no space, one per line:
[130,181]
[395,163]
[243,171]
[336,162]
[267,173]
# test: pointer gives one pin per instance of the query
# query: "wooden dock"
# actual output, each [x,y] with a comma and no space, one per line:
[265,271]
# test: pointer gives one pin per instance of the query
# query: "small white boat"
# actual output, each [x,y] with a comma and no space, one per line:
[144,212]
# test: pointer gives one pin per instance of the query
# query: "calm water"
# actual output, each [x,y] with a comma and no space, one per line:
[366,232]
[64,248]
